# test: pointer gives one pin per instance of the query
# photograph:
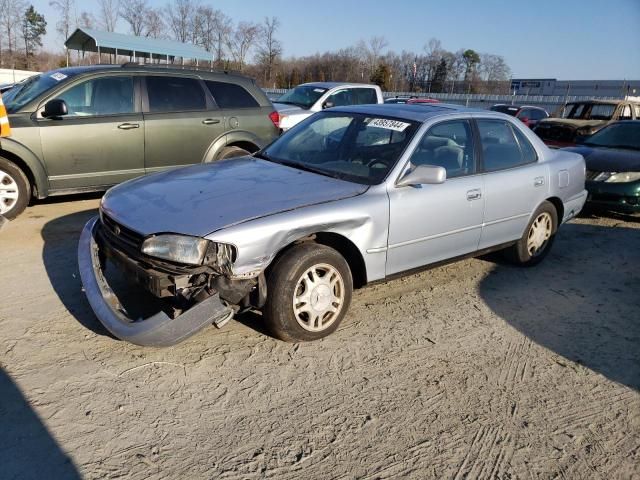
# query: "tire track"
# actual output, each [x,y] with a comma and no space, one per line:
[489,454]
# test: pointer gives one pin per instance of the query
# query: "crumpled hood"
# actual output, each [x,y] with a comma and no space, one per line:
[571,122]
[204,198]
[609,159]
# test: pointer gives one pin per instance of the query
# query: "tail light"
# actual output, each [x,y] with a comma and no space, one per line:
[275,118]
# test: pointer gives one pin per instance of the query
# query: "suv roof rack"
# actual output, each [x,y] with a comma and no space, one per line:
[179,67]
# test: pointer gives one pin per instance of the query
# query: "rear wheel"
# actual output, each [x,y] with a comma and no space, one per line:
[309,292]
[232,152]
[537,239]
[14,190]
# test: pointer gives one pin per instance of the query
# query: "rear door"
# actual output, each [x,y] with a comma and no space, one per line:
[100,142]
[515,183]
[181,121]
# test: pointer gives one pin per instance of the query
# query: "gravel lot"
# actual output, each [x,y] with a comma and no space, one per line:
[472,370]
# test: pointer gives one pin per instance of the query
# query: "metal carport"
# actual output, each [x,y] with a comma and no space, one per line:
[89,40]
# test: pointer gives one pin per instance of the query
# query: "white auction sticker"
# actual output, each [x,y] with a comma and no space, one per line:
[58,76]
[388,124]
[319,90]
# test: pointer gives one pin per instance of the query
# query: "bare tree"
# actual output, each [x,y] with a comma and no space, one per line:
[68,20]
[109,11]
[181,18]
[134,12]
[154,25]
[269,48]
[11,18]
[242,40]
[86,20]
[223,28]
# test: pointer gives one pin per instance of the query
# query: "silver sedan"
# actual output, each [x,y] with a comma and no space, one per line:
[349,196]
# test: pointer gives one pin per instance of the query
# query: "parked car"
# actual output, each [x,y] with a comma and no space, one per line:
[327,207]
[527,114]
[398,99]
[612,156]
[306,99]
[422,100]
[87,128]
[577,120]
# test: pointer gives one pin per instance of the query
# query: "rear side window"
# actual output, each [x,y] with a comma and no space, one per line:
[536,114]
[230,95]
[364,96]
[503,146]
[175,94]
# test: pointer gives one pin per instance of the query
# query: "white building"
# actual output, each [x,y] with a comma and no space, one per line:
[8,75]
[591,88]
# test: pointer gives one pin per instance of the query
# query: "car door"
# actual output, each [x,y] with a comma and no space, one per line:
[100,141]
[515,183]
[181,121]
[429,223]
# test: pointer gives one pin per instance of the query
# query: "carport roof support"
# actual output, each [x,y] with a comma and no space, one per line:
[89,40]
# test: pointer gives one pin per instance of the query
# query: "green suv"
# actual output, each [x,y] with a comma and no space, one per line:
[86,128]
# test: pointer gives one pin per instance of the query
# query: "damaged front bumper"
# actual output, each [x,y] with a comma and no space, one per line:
[159,330]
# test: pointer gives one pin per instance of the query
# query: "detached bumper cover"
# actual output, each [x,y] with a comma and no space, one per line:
[159,330]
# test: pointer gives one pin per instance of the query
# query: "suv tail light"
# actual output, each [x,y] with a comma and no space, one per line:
[275,118]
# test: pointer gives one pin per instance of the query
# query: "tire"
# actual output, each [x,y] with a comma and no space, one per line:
[538,237]
[15,190]
[231,152]
[328,300]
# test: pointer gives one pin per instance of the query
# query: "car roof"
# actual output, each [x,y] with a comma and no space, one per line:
[416,112]
[517,107]
[142,67]
[336,84]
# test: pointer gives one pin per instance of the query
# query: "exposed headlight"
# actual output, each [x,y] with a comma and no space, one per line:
[623,177]
[176,248]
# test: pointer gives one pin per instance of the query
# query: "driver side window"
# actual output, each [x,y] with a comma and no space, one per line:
[340,98]
[449,145]
[100,96]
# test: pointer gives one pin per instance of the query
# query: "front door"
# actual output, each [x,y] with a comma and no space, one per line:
[429,223]
[181,122]
[100,142]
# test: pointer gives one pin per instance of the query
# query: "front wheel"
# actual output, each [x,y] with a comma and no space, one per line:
[537,239]
[308,293]
[14,190]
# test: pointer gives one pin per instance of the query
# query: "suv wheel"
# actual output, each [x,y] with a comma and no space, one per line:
[14,190]
[308,293]
[231,152]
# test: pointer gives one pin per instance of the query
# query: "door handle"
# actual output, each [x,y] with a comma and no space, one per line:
[538,181]
[128,126]
[474,194]
[210,121]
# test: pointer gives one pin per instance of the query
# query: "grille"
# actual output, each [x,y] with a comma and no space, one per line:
[592,174]
[121,234]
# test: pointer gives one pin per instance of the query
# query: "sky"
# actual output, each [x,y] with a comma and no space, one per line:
[563,39]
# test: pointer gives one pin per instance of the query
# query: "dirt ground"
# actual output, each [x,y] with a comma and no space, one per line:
[472,370]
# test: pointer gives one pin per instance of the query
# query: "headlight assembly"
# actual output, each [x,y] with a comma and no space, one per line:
[623,177]
[191,251]
[176,248]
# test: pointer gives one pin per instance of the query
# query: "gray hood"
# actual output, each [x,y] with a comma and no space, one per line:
[201,199]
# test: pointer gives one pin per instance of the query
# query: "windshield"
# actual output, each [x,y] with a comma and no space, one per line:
[585,111]
[31,88]
[355,147]
[618,135]
[302,96]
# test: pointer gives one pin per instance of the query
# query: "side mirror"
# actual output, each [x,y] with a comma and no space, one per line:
[55,108]
[423,174]
[328,104]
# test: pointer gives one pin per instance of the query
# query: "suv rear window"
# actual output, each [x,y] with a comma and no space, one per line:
[230,95]
[175,94]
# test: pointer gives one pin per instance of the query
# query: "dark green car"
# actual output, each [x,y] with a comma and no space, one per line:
[87,128]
